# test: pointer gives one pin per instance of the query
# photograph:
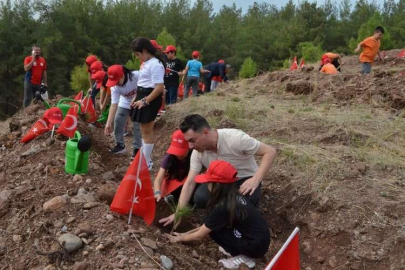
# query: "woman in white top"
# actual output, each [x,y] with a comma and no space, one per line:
[123,83]
[149,94]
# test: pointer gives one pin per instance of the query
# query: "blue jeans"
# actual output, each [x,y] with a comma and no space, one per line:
[366,68]
[94,93]
[171,95]
[193,83]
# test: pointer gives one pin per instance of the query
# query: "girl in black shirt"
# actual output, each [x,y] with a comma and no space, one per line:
[232,221]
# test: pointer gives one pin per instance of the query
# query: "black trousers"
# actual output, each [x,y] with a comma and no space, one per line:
[336,63]
[236,244]
[202,194]
[207,83]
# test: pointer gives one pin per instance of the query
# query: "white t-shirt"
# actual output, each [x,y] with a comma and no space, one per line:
[152,72]
[235,147]
[124,94]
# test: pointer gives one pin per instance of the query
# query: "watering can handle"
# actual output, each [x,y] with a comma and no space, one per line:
[70,100]
[77,135]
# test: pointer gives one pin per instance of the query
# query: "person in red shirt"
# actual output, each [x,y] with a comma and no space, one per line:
[35,67]
[371,47]
[334,59]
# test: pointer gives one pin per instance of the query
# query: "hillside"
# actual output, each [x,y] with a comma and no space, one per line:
[339,176]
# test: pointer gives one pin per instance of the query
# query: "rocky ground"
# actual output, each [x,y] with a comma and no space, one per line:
[339,176]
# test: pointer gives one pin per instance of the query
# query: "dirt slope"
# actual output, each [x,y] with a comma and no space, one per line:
[339,176]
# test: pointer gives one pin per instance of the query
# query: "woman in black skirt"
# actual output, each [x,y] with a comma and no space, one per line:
[149,94]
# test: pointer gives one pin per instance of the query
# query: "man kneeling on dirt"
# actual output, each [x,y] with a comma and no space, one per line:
[333,58]
[371,47]
[231,145]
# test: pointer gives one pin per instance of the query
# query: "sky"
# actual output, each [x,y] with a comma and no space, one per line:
[244,4]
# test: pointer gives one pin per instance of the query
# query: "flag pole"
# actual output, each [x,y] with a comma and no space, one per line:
[271,264]
[136,183]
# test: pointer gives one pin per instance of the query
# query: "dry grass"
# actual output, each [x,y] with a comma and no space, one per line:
[301,130]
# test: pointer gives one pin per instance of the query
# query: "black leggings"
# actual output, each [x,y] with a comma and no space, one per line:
[236,244]
[202,194]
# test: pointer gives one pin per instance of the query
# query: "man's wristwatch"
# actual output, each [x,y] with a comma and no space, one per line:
[158,192]
[145,102]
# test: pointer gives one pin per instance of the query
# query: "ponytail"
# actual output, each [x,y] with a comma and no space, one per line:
[128,75]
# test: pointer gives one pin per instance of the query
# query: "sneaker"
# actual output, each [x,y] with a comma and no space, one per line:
[234,262]
[118,149]
[224,252]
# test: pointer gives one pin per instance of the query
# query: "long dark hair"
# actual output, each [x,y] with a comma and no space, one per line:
[173,172]
[128,75]
[141,43]
[226,194]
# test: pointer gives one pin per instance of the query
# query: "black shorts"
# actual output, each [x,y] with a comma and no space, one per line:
[149,112]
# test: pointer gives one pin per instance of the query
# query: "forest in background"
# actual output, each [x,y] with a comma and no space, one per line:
[68,30]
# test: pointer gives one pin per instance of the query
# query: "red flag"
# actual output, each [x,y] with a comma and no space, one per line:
[401,54]
[142,200]
[288,257]
[88,110]
[295,64]
[79,96]
[302,63]
[40,127]
[168,186]
[180,92]
[69,124]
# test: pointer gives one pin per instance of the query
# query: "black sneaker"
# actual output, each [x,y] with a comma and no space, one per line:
[134,153]
[118,149]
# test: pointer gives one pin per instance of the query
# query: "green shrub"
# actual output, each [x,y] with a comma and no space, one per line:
[134,63]
[80,78]
[310,52]
[248,69]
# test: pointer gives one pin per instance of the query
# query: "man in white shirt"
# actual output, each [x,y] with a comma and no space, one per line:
[231,145]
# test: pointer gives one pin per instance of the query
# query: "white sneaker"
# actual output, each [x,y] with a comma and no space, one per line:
[234,262]
[224,252]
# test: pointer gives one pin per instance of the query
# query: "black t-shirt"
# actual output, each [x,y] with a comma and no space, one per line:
[253,227]
[172,78]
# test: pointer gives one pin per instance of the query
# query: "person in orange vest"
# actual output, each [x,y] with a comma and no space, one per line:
[174,167]
[334,59]
[371,47]
[232,221]
[328,67]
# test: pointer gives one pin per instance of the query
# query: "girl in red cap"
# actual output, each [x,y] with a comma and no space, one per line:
[148,99]
[174,168]
[123,88]
[233,222]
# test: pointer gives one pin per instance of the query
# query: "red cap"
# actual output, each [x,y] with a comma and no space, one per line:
[99,77]
[91,59]
[219,171]
[178,145]
[115,73]
[196,54]
[221,61]
[170,48]
[53,115]
[155,44]
[96,66]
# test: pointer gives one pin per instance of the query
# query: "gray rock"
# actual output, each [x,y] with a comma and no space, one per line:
[167,263]
[72,242]
[149,243]
[109,217]
[82,198]
[70,220]
[64,229]
[307,248]
[54,204]
[5,195]
[195,254]
[35,149]
[80,265]
[77,178]
[91,205]
[58,224]
[149,251]
[17,238]
[108,176]
[333,262]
